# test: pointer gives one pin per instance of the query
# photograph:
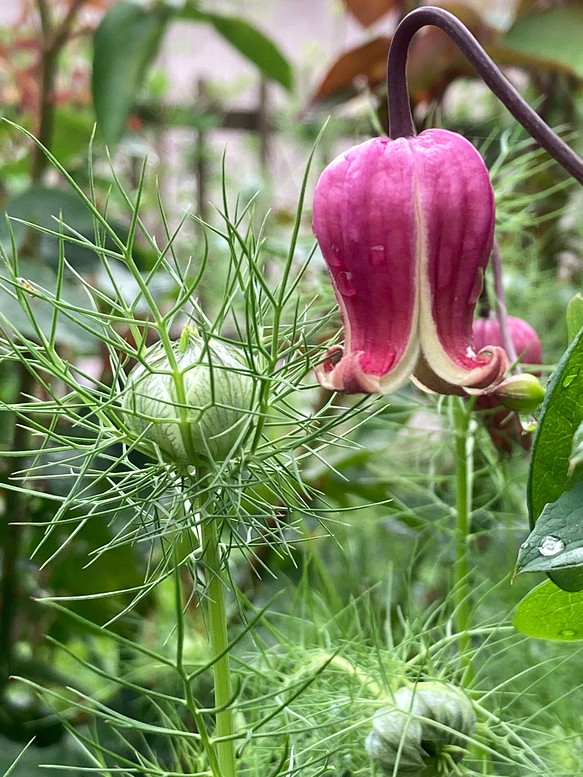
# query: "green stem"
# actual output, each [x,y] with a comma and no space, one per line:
[12,533]
[462,414]
[189,699]
[216,612]
[52,41]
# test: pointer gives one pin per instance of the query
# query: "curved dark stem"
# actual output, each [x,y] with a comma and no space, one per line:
[400,119]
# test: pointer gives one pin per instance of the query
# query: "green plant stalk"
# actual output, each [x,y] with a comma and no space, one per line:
[216,612]
[462,414]
[182,671]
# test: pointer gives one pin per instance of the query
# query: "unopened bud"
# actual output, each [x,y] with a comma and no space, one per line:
[193,409]
[523,393]
[404,739]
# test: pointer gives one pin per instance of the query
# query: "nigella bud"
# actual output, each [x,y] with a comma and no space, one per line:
[193,404]
[405,739]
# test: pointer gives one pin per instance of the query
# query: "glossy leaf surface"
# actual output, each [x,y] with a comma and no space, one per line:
[547,612]
[561,414]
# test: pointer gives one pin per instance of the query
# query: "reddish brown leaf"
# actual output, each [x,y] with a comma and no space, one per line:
[365,63]
[367,12]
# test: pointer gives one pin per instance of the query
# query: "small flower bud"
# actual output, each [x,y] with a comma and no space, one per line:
[523,393]
[404,741]
[193,406]
[504,427]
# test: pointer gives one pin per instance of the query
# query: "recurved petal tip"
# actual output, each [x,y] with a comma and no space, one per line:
[491,365]
[343,371]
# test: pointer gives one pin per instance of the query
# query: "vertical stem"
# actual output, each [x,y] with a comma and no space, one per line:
[186,681]
[216,612]
[462,415]
[501,312]
[16,508]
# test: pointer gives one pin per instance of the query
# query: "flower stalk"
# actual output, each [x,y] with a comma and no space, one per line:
[216,612]
[400,118]
[464,468]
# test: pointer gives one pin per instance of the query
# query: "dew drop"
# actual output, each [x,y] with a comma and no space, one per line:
[550,546]
[377,255]
[568,633]
[333,257]
[344,283]
[568,379]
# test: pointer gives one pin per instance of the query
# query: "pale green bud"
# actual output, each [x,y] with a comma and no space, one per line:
[405,738]
[523,393]
[195,410]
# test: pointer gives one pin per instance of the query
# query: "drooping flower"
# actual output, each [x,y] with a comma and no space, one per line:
[504,426]
[406,228]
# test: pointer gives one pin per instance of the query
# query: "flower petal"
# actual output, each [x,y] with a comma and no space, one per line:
[455,232]
[365,223]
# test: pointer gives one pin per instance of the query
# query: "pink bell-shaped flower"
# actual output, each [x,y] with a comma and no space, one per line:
[406,228]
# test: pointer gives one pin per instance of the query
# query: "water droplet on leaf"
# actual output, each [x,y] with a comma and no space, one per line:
[567,633]
[568,379]
[550,546]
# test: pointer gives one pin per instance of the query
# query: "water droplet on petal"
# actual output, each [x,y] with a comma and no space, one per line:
[344,283]
[333,258]
[377,255]
[550,546]
[568,633]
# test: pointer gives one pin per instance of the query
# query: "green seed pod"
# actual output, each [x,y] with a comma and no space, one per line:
[193,410]
[405,736]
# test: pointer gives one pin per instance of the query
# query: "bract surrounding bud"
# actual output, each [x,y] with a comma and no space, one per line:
[521,393]
[406,228]
[193,405]
[405,739]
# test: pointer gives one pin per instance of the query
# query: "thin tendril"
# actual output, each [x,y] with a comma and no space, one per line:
[400,118]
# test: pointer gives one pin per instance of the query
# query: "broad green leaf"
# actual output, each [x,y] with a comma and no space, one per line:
[125,43]
[552,36]
[561,414]
[249,41]
[72,133]
[556,542]
[574,316]
[40,316]
[547,612]
[567,579]
[46,206]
